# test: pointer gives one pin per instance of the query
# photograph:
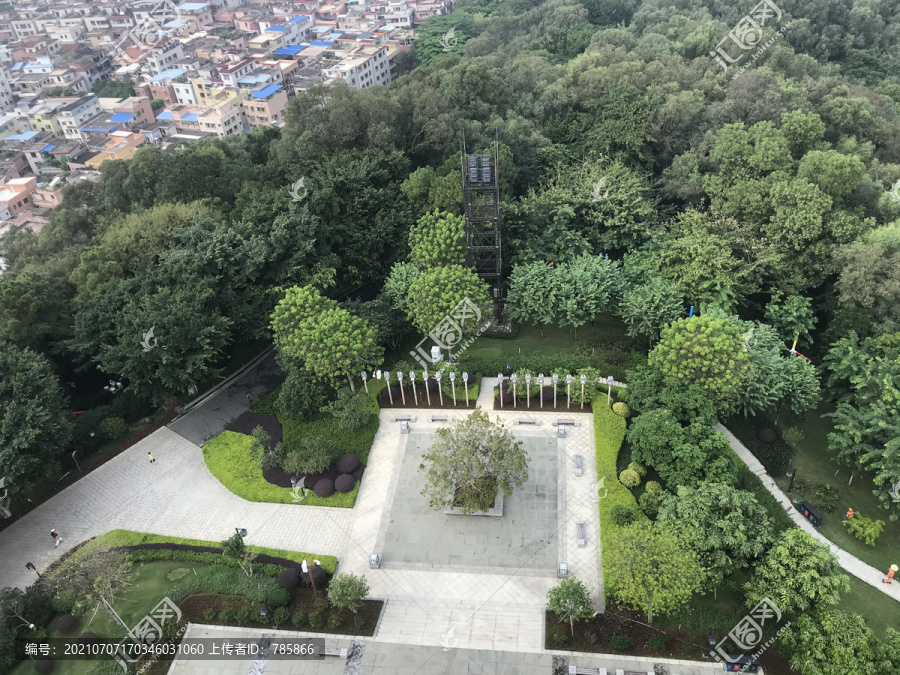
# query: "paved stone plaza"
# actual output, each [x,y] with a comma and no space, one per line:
[415,536]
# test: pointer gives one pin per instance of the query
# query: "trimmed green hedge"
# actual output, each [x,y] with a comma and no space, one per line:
[227,456]
[609,432]
[117,538]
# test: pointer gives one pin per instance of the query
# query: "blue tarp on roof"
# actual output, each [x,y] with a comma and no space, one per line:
[48,148]
[24,136]
[278,29]
[120,117]
[17,65]
[297,19]
[321,43]
[290,50]
[254,79]
[190,117]
[265,92]
[99,131]
[165,115]
[169,74]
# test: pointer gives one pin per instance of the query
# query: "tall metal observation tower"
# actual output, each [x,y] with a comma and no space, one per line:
[481,199]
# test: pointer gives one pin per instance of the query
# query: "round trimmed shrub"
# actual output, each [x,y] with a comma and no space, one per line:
[560,638]
[620,642]
[334,621]
[66,624]
[298,618]
[639,468]
[209,614]
[344,483]
[630,478]
[347,464]
[227,616]
[315,619]
[64,600]
[652,487]
[622,409]
[507,397]
[657,643]
[590,637]
[247,614]
[278,597]
[621,515]
[289,579]
[324,487]
[44,665]
[281,615]
[767,435]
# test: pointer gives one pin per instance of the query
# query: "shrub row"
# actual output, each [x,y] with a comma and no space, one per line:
[540,363]
[609,433]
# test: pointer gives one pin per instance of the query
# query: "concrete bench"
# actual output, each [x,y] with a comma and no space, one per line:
[528,420]
[439,418]
[579,464]
[404,418]
[334,651]
[566,421]
[586,670]
[581,534]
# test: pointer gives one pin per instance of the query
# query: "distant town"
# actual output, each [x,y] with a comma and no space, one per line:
[84,82]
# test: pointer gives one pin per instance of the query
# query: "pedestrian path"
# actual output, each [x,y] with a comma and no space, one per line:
[850,563]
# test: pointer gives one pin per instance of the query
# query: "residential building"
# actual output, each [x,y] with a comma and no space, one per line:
[73,115]
[265,107]
[15,196]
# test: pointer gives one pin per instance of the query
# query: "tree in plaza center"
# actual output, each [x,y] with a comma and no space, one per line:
[313,333]
[707,351]
[471,463]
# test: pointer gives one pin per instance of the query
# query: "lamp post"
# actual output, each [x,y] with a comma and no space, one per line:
[500,388]
[528,390]
[513,379]
[242,531]
[378,379]
[427,390]
[363,375]
[609,381]
[568,391]
[453,386]
[75,460]
[466,383]
[555,379]
[412,380]
[387,383]
[30,566]
[790,474]
[400,381]
[264,612]
[437,376]
[711,640]
[583,380]
[541,389]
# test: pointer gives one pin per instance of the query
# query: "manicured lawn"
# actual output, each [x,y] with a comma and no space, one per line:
[816,464]
[227,456]
[117,538]
[880,611]
[556,340]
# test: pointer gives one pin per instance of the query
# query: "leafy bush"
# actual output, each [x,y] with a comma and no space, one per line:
[289,579]
[825,497]
[620,642]
[298,618]
[66,624]
[650,503]
[352,410]
[313,454]
[559,637]
[324,487]
[113,427]
[281,615]
[622,410]
[793,437]
[334,621]
[864,529]
[346,591]
[227,616]
[278,597]
[247,614]
[652,487]
[315,619]
[347,463]
[657,643]
[301,395]
[639,469]
[590,637]
[209,614]
[630,478]
[344,483]
[621,515]
[64,600]
[358,622]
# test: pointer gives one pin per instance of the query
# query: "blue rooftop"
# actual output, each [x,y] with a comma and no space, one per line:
[170,74]
[278,29]
[97,130]
[190,117]
[48,148]
[290,50]
[265,92]
[297,19]
[120,117]
[24,136]
[321,43]
[165,115]
[254,79]
[17,65]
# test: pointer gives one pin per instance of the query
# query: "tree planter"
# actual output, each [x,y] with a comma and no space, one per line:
[496,511]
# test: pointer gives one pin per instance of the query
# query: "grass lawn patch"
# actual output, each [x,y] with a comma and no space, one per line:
[227,456]
[879,610]
[609,432]
[118,538]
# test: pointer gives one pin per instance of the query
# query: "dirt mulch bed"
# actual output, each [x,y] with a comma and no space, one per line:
[385,402]
[246,423]
[546,394]
[282,478]
[618,621]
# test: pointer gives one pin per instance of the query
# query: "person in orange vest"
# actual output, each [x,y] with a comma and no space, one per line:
[849,514]
[890,576]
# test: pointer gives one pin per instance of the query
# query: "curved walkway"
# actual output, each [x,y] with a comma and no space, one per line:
[850,563]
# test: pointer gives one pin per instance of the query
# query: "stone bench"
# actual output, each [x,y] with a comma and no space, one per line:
[404,418]
[581,534]
[567,422]
[579,464]
[334,651]
[586,670]
[528,420]
[439,418]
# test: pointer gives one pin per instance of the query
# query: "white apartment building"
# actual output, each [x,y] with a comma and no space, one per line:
[162,58]
[73,115]
[6,93]
[364,68]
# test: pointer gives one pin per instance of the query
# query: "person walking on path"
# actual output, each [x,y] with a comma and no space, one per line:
[151,457]
[56,537]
